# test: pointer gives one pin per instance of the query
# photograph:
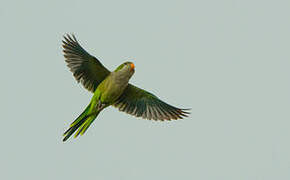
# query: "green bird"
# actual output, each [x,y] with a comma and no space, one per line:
[111,88]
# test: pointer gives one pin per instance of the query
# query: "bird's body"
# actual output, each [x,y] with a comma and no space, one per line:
[111,88]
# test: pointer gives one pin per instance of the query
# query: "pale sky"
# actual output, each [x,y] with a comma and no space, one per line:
[227,60]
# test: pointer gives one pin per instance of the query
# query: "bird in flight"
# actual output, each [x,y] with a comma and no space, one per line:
[111,89]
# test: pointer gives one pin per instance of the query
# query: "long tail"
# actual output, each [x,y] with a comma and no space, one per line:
[82,123]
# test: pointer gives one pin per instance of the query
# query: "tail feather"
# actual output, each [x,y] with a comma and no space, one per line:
[72,129]
[89,122]
[81,124]
[81,116]
[85,125]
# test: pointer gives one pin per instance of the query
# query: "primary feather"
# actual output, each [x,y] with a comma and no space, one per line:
[140,103]
[86,68]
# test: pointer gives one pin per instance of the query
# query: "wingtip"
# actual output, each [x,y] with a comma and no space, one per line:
[69,36]
[64,139]
[65,35]
[186,111]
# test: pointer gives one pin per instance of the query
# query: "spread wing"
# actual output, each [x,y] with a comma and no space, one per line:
[86,68]
[140,103]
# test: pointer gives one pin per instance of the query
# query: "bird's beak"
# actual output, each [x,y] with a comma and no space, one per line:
[132,67]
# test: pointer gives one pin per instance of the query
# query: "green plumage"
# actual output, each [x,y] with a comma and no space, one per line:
[111,88]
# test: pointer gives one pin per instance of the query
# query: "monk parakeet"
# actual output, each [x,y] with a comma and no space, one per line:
[111,89]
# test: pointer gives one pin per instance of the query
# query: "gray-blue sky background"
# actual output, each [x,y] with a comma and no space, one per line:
[228,60]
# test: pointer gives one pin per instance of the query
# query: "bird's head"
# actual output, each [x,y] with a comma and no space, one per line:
[127,69]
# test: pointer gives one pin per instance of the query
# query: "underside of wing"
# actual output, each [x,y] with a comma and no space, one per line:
[86,68]
[140,103]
